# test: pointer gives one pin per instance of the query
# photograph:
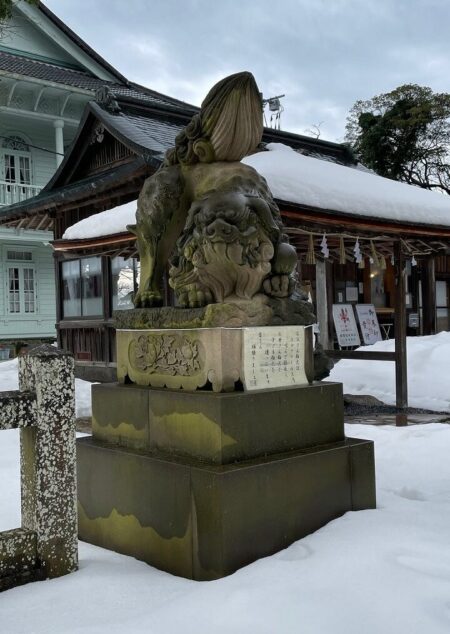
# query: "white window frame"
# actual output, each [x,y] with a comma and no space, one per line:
[22,266]
[15,190]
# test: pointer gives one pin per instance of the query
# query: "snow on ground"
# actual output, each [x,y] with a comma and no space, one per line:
[306,180]
[104,223]
[378,571]
[428,373]
[9,381]
[384,570]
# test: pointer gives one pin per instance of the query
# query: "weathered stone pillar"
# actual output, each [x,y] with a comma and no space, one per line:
[48,465]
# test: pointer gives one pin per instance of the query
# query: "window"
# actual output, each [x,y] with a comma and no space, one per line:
[442,305]
[21,290]
[15,170]
[124,281]
[25,256]
[82,287]
[91,286]
[71,288]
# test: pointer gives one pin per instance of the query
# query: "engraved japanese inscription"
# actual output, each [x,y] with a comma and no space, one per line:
[274,357]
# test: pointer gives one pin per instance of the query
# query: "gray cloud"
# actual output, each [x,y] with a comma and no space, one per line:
[324,54]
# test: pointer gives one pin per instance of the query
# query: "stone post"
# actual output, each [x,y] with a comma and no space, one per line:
[48,459]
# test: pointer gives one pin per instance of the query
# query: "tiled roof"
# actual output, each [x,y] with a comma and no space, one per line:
[148,96]
[148,123]
[19,65]
[45,71]
[152,133]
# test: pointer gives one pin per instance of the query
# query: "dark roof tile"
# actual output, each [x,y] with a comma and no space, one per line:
[49,72]
[20,65]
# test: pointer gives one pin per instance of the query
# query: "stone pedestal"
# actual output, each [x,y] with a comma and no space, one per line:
[202,483]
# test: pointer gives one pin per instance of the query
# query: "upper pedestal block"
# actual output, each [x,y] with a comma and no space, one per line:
[218,428]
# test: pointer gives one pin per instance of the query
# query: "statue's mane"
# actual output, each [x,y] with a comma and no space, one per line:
[228,127]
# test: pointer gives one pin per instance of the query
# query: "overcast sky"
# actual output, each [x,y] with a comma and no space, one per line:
[323,54]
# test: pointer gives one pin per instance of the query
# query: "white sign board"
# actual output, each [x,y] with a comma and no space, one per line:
[345,325]
[274,357]
[368,322]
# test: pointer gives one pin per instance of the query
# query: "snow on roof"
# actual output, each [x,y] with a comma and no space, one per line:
[301,179]
[104,223]
[297,178]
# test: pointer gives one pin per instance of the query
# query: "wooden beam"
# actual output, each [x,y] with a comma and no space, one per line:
[362,355]
[401,369]
[322,303]
[42,221]
[107,304]
[319,219]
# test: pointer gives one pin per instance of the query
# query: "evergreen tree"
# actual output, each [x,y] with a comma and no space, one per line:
[404,135]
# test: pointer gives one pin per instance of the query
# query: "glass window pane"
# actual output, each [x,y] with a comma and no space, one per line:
[137,272]
[24,170]
[71,288]
[122,282]
[10,170]
[28,290]
[91,286]
[441,293]
[14,290]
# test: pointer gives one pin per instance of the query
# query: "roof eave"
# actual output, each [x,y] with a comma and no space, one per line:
[51,201]
[333,218]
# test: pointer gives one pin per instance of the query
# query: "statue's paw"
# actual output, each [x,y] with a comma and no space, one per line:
[195,297]
[147,299]
[279,285]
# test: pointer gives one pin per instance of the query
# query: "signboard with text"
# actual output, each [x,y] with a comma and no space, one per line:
[345,325]
[368,322]
[274,357]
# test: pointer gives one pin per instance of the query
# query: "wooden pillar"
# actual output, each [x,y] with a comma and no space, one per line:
[429,297]
[367,282]
[401,370]
[107,307]
[322,301]
[59,297]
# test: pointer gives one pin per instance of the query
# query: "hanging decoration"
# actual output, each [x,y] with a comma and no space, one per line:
[342,254]
[324,247]
[392,260]
[373,255]
[357,252]
[413,261]
[361,263]
[310,256]
[382,262]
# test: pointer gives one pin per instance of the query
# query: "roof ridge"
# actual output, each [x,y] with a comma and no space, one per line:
[156,93]
[76,39]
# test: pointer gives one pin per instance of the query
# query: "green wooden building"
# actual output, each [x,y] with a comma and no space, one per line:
[47,76]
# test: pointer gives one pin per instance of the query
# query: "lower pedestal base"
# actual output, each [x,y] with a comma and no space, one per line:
[204,522]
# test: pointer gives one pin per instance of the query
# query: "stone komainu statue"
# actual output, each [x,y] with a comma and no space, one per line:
[211,216]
